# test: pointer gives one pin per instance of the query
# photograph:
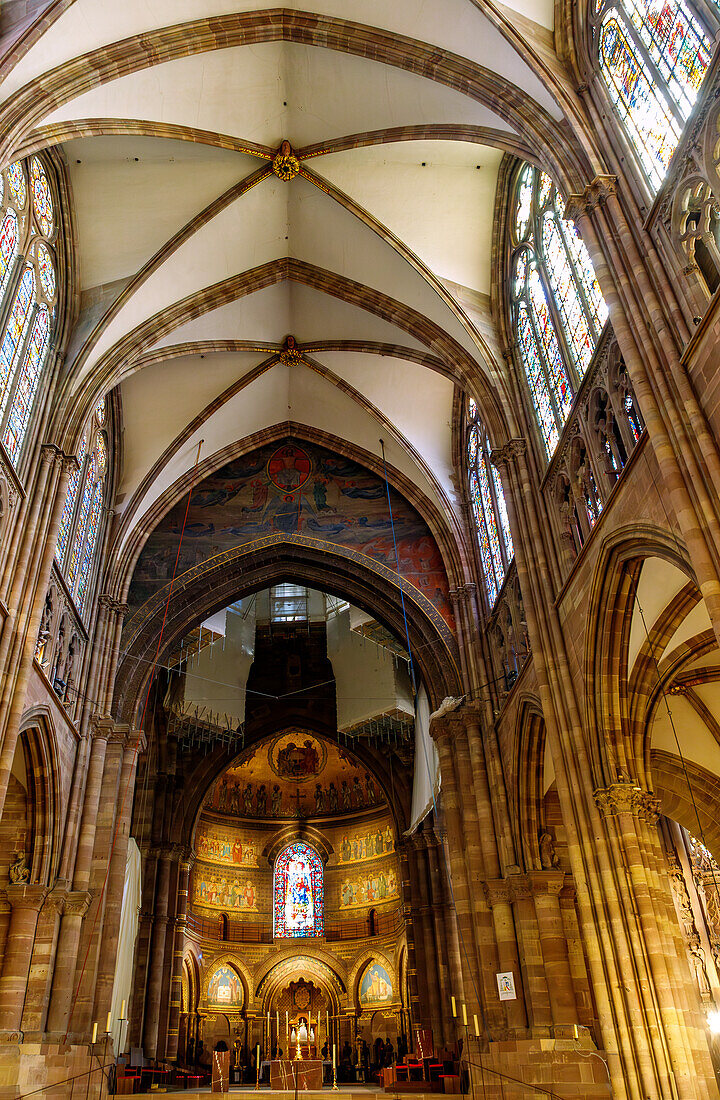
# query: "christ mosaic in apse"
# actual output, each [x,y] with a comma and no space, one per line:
[294,489]
[376,986]
[225,988]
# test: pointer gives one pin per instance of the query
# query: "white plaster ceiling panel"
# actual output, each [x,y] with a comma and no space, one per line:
[268,315]
[696,741]
[187,386]
[696,622]
[417,401]
[265,93]
[131,194]
[437,196]
[659,583]
[454,25]
[333,238]
[250,231]
[280,394]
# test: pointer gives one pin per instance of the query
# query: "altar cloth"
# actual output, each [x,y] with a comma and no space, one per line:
[284,1072]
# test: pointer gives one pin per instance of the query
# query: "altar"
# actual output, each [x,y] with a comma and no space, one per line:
[284,1073]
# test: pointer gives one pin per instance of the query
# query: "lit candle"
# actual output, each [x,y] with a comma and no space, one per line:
[122,1011]
[107,1026]
[454,1008]
[477,1029]
[94,1034]
[464,1015]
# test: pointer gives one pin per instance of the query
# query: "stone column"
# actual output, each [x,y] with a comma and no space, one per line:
[546,887]
[157,955]
[81,1010]
[37,994]
[26,902]
[78,900]
[107,956]
[171,1050]
[412,972]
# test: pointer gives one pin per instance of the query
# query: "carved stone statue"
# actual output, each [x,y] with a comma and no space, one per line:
[548,856]
[19,870]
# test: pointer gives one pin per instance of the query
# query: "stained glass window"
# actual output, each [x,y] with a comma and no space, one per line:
[42,202]
[30,287]
[298,892]
[488,506]
[27,385]
[653,58]
[81,519]
[16,185]
[557,307]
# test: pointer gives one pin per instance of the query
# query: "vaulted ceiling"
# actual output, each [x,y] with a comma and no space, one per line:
[195,259]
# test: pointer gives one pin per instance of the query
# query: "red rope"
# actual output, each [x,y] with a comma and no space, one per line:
[135,750]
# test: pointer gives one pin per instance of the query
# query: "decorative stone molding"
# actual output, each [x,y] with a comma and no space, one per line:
[597,192]
[285,165]
[513,449]
[627,798]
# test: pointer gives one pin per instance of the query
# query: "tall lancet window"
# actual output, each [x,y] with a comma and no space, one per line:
[487,501]
[298,892]
[558,310]
[28,297]
[82,514]
[653,56]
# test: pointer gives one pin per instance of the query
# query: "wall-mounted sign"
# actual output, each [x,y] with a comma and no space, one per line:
[506,986]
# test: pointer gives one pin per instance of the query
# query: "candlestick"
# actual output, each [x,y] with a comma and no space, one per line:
[298,1052]
[335,1084]
[477,1029]
[257,1067]
[107,1025]
[94,1033]
[454,1008]
[464,1008]
[287,1029]
[122,1011]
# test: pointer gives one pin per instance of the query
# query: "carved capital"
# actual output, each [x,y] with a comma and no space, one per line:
[496,891]
[77,903]
[627,798]
[22,896]
[547,882]
[597,191]
[503,456]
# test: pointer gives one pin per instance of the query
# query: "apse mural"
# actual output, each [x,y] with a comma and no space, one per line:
[217,845]
[298,892]
[373,888]
[296,775]
[224,892]
[357,847]
[376,986]
[225,988]
[294,489]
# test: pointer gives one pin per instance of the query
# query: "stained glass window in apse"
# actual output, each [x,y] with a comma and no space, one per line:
[15,332]
[16,185]
[585,272]
[27,384]
[69,506]
[42,202]
[90,544]
[638,99]
[298,892]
